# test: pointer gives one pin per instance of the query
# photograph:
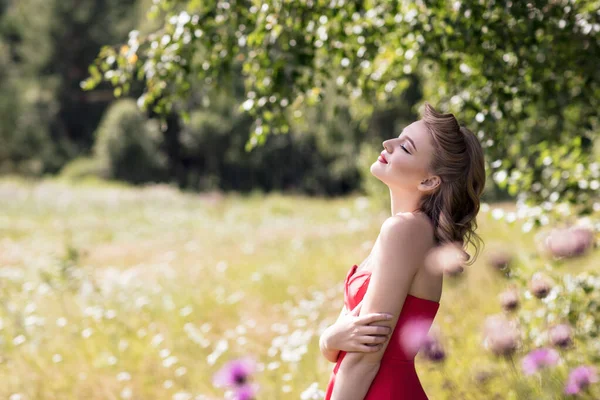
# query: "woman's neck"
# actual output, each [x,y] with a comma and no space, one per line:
[404,202]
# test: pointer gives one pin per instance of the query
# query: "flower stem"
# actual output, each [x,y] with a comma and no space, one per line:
[513,366]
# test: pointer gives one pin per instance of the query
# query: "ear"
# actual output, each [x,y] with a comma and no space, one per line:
[430,184]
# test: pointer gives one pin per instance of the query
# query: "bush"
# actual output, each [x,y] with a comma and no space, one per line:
[129,145]
[28,147]
[84,167]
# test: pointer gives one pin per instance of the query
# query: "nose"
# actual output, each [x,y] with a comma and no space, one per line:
[387,145]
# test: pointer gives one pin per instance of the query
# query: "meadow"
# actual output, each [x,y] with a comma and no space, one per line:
[116,292]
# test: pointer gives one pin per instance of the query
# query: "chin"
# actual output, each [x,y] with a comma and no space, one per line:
[375,173]
[373,169]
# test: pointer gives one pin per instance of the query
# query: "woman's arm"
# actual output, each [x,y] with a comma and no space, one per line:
[401,250]
[351,333]
[329,353]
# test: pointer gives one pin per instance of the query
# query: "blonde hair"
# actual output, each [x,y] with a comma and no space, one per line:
[458,159]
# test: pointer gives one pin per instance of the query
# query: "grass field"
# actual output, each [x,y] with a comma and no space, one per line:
[111,292]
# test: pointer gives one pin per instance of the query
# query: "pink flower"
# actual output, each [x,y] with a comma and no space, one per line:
[509,299]
[245,392]
[539,358]
[540,285]
[414,334]
[433,349]
[236,374]
[580,378]
[502,336]
[569,242]
[561,335]
[447,258]
[500,260]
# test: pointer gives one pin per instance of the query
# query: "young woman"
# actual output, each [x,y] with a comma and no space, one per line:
[435,172]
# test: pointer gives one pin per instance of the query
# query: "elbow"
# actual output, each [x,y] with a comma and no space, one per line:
[330,355]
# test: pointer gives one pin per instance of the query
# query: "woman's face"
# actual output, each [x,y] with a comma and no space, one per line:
[408,158]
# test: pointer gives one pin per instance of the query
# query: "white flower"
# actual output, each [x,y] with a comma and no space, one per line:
[312,392]
[182,396]
[123,376]
[126,393]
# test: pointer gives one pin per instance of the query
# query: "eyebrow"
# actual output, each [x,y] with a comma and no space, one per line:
[410,140]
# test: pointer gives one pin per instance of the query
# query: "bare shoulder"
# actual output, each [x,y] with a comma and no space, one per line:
[402,224]
[410,234]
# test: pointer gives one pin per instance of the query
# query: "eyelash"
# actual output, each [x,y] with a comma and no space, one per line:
[404,148]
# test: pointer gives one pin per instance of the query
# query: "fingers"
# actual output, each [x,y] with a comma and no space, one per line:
[374,317]
[373,340]
[363,348]
[376,330]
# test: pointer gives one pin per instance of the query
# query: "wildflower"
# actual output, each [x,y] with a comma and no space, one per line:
[312,392]
[236,375]
[413,334]
[561,335]
[580,378]
[182,396]
[126,393]
[569,242]
[539,358]
[500,260]
[540,285]
[245,392]
[501,335]
[509,299]
[123,376]
[449,258]
[433,349]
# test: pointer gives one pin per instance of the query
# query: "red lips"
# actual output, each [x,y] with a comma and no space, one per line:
[382,158]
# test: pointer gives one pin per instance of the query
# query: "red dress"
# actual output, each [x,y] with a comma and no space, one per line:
[397,378]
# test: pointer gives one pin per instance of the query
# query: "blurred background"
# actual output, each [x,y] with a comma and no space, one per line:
[185,183]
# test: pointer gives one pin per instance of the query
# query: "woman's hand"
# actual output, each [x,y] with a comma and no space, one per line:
[353,333]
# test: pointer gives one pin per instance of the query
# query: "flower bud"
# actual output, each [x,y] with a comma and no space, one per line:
[509,299]
[569,242]
[502,336]
[433,349]
[448,259]
[499,260]
[561,335]
[540,285]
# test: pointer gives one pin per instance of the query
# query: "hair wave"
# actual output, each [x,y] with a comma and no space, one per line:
[458,159]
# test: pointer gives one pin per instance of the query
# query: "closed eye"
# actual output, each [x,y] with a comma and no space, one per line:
[404,148]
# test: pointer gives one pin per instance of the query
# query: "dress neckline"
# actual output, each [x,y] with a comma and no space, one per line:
[355,271]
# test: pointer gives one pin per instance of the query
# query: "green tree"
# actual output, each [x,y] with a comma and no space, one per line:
[523,75]
[46,48]
[129,144]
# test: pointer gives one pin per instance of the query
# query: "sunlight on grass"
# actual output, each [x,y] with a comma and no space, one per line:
[144,293]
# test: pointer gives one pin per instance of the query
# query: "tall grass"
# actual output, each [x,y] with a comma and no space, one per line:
[111,292]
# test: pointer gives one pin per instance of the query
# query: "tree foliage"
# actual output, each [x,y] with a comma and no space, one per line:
[523,75]
[129,144]
[46,47]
